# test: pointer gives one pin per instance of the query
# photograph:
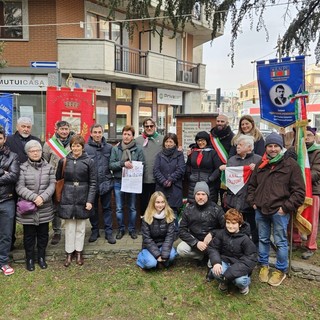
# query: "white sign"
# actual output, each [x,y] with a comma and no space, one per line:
[102,88]
[23,82]
[131,181]
[171,97]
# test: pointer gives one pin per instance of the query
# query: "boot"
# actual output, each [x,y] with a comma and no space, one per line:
[68,260]
[79,258]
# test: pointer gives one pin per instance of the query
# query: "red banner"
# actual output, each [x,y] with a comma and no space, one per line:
[74,106]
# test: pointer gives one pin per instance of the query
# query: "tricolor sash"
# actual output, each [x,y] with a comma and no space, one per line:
[57,147]
[221,151]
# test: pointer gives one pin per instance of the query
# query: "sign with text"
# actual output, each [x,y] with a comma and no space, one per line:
[6,112]
[23,82]
[277,81]
[171,97]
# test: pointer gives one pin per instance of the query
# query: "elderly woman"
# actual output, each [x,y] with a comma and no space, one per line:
[78,195]
[36,184]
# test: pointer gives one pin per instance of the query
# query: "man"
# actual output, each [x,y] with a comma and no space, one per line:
[314,160]
[53,150]
[99,150]
[16,143]
[122,156]
[280,99]
[199,224]
[275,191]
[244,157]
[9,174]
[151,143]
[221,136]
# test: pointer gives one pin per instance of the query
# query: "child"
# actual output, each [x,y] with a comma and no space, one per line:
[157,234]
[232,253]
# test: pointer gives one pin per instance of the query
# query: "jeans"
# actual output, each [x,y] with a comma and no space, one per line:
[240,282]
[131,205]
[146,260]
[278,223]
[33,234]
[105,201]
[7,213]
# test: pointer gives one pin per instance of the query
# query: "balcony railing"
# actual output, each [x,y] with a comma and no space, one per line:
[130,60]
[187,72]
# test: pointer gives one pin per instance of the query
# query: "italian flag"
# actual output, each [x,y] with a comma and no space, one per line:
[237,177]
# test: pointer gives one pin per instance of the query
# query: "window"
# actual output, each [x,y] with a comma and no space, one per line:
[13,15]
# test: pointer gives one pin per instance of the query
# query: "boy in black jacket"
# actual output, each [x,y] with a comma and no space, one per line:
[232,254]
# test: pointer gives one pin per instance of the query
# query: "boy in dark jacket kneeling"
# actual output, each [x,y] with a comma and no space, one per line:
[232,254]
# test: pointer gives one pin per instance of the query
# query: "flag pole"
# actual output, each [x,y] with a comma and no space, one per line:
[290,247]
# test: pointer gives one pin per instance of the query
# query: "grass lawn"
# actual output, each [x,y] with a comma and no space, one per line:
[117,289]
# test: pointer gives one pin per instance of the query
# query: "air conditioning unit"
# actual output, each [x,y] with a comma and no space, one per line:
[185,76]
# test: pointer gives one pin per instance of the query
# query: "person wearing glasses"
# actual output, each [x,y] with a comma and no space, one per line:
[151,143]
[37,184]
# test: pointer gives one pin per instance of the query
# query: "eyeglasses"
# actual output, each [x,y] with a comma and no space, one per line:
[149,126]
[34,151]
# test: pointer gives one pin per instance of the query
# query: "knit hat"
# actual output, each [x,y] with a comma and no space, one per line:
[313,130]
[274,138]
[201,186]
[203,135]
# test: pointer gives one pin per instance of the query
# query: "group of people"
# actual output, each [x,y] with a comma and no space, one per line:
[224,237]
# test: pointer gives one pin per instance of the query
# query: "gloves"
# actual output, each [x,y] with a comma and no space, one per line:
[167,184]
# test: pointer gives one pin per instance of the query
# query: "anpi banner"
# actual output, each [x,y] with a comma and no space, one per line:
[277,81]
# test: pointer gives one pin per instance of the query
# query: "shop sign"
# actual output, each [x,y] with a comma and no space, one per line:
[171,97]
[23,82]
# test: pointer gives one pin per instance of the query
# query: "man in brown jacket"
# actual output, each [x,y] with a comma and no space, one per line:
[276,189]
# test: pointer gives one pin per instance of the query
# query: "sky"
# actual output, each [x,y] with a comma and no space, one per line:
[250,46]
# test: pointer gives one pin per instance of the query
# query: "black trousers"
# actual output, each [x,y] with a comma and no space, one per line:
[35,234]
[147,190]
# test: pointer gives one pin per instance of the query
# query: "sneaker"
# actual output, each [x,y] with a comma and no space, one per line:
[276,278]
[209,276]
[223,287]
[110,238]
[7,270]
[264,274]
[133,235]
[94,236]
[56,239]
[244,291]
[120,234]
[307,254]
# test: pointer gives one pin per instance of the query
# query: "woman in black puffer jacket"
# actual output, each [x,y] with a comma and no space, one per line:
[157,234]
[77,197]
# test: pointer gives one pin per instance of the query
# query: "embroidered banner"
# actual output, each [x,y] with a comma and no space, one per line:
[277,81]
[74,106]
[6,112]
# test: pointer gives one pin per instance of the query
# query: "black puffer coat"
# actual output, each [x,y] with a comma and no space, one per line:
[9,173]
[158,234]
[197,221]
[236,249]
[79,186]
[208,171]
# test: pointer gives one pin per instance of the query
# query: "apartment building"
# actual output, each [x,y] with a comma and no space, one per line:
[74,43]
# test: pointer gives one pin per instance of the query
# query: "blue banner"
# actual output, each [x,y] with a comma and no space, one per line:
[6,112]
[277,81]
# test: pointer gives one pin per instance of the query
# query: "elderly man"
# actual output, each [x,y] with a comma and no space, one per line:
[151,143]
[100,151]
[16,143]
[53,150]
[199,224]
[276,189]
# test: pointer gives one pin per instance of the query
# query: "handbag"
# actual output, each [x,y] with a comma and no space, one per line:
[60,184]
[25,207]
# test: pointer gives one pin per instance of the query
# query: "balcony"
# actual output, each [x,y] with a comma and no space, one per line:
[104,60]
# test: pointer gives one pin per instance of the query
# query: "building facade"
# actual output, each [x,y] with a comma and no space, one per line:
[75,43]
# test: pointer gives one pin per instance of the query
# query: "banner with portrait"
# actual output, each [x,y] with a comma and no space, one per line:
[74,106]
[278,80]
[6,112]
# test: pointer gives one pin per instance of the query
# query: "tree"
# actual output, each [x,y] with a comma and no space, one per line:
[301,32]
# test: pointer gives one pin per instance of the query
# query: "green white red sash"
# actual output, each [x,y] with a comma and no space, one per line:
[57,147]
[221,151]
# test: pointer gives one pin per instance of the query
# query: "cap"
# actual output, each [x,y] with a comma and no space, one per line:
[274,138]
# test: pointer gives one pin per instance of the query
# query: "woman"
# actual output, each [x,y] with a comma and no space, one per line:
[122,156]
[169,169]
[248,127]
[77,197]
[203,165]
[37,184]
[157,234]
